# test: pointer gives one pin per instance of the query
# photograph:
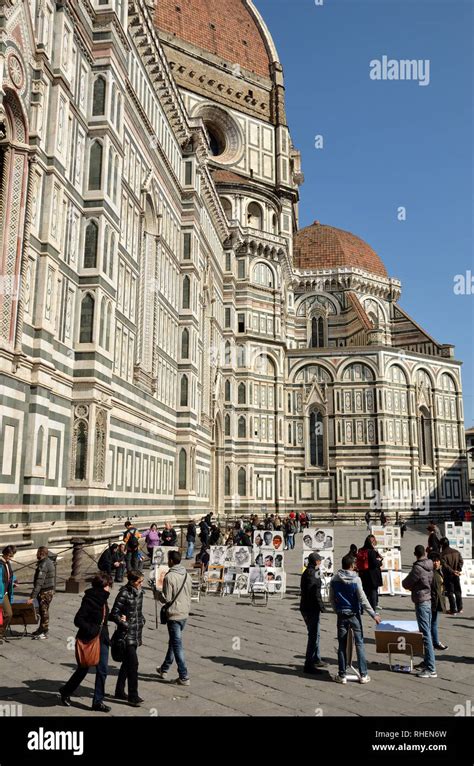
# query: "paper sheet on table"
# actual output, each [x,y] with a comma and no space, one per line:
[405,626]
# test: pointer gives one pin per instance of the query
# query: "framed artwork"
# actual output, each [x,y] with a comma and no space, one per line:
[318,539]
[327,564]
[256,574]
[279,560]
[385,588]
[241,584]
[229,579]
[160,554]
[160,572]
[241,556]
[265,558]
[215,578]
[396,583]
[217,555]
[258,538]
[270,539]
[397,537]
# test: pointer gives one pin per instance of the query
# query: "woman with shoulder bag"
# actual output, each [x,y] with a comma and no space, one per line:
[92,642]
[127,613]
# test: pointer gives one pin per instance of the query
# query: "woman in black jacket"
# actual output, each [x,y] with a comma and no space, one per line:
[371,576]
[91,619]
[127,613]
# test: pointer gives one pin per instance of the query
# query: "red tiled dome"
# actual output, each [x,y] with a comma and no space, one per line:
[225,28]
[325,247]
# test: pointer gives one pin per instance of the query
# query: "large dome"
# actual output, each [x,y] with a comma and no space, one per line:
[230,29]
[324,247]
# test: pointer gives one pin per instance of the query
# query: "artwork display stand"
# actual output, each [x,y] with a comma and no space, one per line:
[388,540]
[351,673]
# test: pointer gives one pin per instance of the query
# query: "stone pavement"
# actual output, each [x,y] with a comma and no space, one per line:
[247,660]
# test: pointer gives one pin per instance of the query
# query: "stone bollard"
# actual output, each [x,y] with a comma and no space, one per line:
[76,582]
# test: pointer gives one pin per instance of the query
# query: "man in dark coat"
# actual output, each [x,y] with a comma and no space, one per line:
[91,619]
[311,607]
[419,582]
[127,612]
[204,530]
[452,563]
[169,536]
[190,539]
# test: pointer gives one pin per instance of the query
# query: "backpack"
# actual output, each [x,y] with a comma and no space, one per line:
[362,562]
[132,544]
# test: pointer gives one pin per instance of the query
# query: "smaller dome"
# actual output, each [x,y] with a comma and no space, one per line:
[324,247]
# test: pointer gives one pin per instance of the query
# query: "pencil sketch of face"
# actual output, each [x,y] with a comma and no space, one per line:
[241,583]
[278,561]
[218,554]
[158,556]
[268,561]
[242,557]
[258,540]
[319,539]
[268,538]
[278,582]
[307,541]
[277,542]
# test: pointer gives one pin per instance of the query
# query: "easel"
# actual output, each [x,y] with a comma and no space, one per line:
[351,673]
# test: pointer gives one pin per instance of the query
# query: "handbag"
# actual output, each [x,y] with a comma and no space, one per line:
[88,652]
[164,609]
[118,645]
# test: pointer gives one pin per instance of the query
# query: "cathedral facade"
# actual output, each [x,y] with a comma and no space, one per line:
[171,342]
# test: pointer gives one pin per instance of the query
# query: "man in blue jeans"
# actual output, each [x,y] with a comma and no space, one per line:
[347,598]
[419,582]
[176,595]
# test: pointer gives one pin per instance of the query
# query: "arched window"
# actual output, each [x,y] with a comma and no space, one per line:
[95,166]
[227,391]
[255,216]
[240,356]
[112,103]
[109,172]
[227,425]
[103,308]
[426,446]
[108,326]
[80,464]
[263,275]
[39,445]
[186,292]
[227,487]
[86,332]
[227,205]
[90,245]
[317,332]
[242,393]
[184,391]
[316,439]
[185,344]
[98,99]
[242,482]
[111,255]
[105,259]
[242,430]
[182,470]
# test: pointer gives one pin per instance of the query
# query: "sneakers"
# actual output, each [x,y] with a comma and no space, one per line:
[99,707]
[183,681]
[40,637]
[427,674]
[341,679]
[421,666]
[364,679]
[163,674]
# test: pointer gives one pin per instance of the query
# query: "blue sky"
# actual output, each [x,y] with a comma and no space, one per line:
[389,144]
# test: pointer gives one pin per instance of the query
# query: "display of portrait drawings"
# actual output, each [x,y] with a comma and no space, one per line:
[264,557]
[160,572]
[392,559]
[318,539]
[215,578]
[268,539]
[396,584]
[326,566]
[459,535]
[217,555]
[273,580]
[160,554]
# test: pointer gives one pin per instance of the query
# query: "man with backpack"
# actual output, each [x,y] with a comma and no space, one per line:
[347,599]
[130,539]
